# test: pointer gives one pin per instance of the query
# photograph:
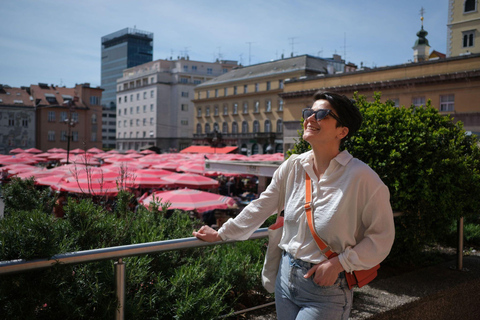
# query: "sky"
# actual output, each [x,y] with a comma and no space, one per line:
[58,41]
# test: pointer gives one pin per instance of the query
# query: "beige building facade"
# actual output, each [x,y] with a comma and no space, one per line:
[243,108]
[463,27]
[452,85]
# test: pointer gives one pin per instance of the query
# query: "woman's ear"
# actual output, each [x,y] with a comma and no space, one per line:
[343,132]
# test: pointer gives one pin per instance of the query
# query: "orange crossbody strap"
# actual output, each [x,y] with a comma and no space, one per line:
[308,209]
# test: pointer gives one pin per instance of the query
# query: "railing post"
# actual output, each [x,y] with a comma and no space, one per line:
[460,244]
[120,289]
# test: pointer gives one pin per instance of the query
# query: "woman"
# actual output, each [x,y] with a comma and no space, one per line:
[351,209]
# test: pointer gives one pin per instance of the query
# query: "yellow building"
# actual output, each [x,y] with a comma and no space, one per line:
[243,107]
[452,84]
[463,27]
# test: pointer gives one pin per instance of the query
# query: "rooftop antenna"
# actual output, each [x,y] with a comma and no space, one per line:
[220,56]
[249,53]
[292,42]
[345,46]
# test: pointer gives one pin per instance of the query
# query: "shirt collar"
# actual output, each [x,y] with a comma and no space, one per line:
[342,158]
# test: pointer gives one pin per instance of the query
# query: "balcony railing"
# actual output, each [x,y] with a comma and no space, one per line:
[114,253]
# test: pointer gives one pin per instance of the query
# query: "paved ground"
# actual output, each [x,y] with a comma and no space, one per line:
[438,292]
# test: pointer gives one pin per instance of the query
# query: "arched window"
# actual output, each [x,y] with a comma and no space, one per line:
[225,127]
[234,127]
[216,127]
[255,149]
[268,126]
[244,127]
[279,125]
[94,118]
[199,128]
[256,126]
[207,127]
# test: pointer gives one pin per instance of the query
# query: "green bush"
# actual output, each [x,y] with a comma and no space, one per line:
[429,163]
[201,283]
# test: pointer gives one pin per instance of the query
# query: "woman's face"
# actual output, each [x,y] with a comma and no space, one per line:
[324,131]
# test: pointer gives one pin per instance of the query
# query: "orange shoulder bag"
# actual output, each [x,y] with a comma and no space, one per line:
[355,278]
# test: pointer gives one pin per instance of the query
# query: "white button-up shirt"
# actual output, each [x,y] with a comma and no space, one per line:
[351,208]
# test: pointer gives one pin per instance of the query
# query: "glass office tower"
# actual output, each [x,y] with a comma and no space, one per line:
[123,49]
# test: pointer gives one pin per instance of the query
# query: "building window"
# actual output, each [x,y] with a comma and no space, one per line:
[244,127]
[74,116]
[125,99]
[245,107]
[93,137]
[418,101]
[256,108]
[256,87]
[234,90]
[207,111]
[125,123]
[184,94]
[235,108]
[447,102]
[119,100]
[95,100]
[185,68]
[144,121]
[184,122]
[145,95]
[131,123]
[184,107]
[245,88]
[225,127]
[11,122]
[279,126]
[268,106]
[137,122]
[138,109]
[225,109]
[51,135]
[119,112]
[152,94]
[470,6]
[256,126]
[75,136]
[151,108]
[225,92]
[209,71]
[94,118]
[216,93]
[268,85]
[194,68]
[25,123]
[268,126]
[280,84]
[199,112]
[51,116]
[131,110]
[215,111]
[280,105]
[207,128]
[468,38]
[234,127]
[144,108]
[215,127]
[63,116]
[199,128]
[119,123]
[131,98]
[208,94]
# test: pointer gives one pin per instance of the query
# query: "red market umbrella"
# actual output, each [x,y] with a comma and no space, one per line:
[56,150]
[53,179]
[192,167]
[6,160]
[94,150]
[16,150]
[189,200]
[33,150]
[147,151]
[93,188]
[167,165]
[76,151]
[191,180]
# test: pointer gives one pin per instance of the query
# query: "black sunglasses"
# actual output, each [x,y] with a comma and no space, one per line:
[320,114]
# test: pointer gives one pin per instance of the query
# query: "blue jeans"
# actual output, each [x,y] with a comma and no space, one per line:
[300,298]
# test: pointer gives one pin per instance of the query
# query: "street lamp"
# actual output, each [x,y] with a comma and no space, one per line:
[70,122]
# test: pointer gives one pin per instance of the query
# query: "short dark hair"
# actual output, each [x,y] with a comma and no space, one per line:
[345,108]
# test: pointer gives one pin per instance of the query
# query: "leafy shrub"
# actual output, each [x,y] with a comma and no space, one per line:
[201,283]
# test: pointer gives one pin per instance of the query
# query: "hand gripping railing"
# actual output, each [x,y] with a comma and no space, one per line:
[114,253]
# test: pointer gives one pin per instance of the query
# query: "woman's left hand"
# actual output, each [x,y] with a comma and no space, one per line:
[326,272]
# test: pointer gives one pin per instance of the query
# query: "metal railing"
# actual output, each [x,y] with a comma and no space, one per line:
[114,253]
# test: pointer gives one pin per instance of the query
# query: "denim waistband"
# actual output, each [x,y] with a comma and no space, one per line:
[303,264]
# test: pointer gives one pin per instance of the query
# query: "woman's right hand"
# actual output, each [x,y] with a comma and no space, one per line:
[207,234]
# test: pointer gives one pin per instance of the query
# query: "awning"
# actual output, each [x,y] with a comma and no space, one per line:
[208,149]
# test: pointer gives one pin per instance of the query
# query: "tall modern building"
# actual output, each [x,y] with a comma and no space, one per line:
[121,50]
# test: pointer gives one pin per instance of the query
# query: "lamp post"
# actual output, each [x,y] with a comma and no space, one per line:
[70,122]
